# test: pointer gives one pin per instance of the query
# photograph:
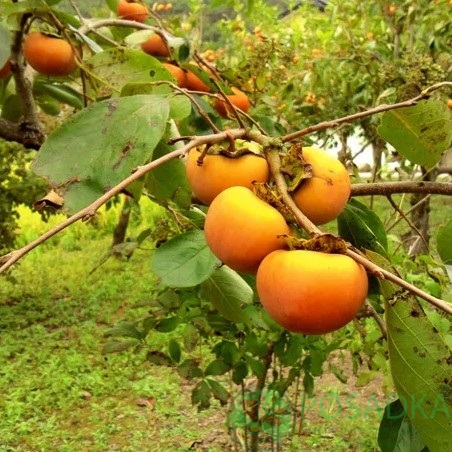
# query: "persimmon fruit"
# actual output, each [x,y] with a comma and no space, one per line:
[178,73]
[194,83]
[131,10]
[323,196]
[242,229]
[449,103]
[239,99]
[49,55]
[218,172]
[155,46]
[310,292]
[5,70]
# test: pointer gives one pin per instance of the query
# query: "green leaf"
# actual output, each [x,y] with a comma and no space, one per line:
[190,369]
[5,44]
[362,227]
[217,367]
[117,67]
[190,337]
[167,325]
[396,433]
[420,133]
[184,261]
[228,292]
[256,366]
[99,146]
[48,105]
[168,182]
[201,395]
[59,91]
[174,350]
[219,391]
[11,109]
[116,346]
[239,373]
[420,363]
[444,243]
[124,329]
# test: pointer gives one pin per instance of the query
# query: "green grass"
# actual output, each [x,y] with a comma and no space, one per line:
[58,392]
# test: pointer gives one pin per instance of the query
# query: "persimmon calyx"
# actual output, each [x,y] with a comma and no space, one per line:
[325,243]
[295,168]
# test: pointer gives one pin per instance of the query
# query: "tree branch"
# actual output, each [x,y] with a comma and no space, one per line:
[390,188]
[9,259]
[29,130]
[362,114]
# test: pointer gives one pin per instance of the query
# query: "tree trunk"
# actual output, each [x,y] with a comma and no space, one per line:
[119,234]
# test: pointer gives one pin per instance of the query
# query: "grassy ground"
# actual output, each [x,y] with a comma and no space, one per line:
[58,392]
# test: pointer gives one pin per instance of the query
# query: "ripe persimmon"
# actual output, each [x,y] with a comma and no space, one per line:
[311,292]
[155,46]
[239,99]
[5,70]
[241,229]
[449,103]
[178,73]
[194,83]
[218,172]
[323,196]
[132,10]
[49,55]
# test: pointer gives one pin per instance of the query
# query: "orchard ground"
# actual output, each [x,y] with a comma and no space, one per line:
[58,392]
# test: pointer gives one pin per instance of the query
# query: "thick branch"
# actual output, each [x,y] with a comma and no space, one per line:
[362,114]
[30,129]
[13,131]
[86,213]
[390,188]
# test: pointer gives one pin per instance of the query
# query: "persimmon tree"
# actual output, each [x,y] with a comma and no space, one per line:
[132,124]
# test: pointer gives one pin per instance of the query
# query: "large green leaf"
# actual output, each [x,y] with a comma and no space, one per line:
[184,261]
[396,432]
[420,133]
[101,145]
[118,67]
[421,365]
[362,227]
[228,292]
[168,183]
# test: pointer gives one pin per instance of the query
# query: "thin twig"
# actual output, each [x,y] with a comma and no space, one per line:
[405,217]
[380,109]
[380,322]
[419,203]
[9,259]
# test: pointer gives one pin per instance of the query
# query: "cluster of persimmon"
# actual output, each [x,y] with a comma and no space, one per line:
[307,292]
[157,46]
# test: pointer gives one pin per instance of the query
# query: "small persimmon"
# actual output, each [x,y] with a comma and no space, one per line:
[218,172]
[323,196]
[49,55]
[239,99]
[241,229]
[5,70]
[310,292]
[178,73]
[155,46]
[449,103]
[132,10]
